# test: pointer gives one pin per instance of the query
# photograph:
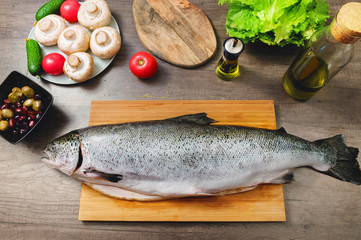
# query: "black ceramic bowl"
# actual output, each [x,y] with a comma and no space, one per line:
[16,79]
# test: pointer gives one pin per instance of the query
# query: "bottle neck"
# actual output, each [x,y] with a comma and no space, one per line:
[228,61]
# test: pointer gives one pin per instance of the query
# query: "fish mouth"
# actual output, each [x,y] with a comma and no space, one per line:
[53,162]
[49,160]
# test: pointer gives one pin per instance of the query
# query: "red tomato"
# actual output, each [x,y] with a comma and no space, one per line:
[69,10]
[53,63]
[143,65]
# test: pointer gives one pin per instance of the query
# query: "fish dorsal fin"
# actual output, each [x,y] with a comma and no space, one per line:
[199,118]
[281,130]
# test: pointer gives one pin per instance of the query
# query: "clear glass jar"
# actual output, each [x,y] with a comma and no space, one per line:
[327,52]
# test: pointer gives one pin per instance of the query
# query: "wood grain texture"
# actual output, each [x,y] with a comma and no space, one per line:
[38,203]
[176,31]
[250,113]
[265,203]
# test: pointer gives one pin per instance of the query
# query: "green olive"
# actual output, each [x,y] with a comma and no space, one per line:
[14,97]
[28,91]
[7,113]
[37,105]
[4,125]
[28,102]
[17,91]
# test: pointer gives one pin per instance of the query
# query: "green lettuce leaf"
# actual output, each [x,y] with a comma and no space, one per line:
[275,22]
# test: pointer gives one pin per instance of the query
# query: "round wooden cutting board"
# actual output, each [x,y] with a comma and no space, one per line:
[176,31]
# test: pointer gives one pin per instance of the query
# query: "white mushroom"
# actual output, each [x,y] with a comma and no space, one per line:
[94,13]
[48,29]
[74,39]
[105,42]
[79,66]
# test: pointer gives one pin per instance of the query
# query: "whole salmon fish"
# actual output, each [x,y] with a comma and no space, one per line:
[187,156]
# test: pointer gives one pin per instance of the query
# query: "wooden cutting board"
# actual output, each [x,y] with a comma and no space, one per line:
[265,203]
[176,31]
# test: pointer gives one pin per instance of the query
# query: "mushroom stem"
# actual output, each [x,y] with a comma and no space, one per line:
[91,7]
[45,24]
[101,38]
[69,34]
[73,61]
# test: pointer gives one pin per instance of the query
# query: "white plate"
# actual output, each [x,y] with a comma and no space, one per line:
[100,64]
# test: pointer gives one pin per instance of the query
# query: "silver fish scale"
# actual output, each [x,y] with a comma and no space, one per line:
[175,152]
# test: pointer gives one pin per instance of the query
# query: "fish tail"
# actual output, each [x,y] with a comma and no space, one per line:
[346,167]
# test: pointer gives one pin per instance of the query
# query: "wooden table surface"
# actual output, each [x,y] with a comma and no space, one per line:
[37,202]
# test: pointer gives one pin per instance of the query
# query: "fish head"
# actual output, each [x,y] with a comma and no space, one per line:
[64,153]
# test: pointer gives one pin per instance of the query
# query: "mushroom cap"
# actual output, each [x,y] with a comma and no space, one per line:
[48,29]
[94,13]
[73,39]
[105,42]
[79,66]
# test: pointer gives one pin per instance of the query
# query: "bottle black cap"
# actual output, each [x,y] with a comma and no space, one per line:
[232,48]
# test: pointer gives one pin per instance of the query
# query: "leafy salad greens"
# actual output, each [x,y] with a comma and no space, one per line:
[275,22]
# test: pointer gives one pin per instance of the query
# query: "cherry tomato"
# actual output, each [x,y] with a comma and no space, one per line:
[69,10]
[53,63]
[143,65]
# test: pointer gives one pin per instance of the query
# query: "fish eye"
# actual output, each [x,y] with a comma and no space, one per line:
[52,148]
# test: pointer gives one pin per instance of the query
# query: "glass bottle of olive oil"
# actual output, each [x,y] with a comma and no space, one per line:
[227,67]
[327,52]
[306,76]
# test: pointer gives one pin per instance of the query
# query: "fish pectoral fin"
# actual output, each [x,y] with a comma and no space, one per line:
[107,176]
[121,193]
[199,118]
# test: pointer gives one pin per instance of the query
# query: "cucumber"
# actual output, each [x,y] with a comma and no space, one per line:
[34,56]
[48,8]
